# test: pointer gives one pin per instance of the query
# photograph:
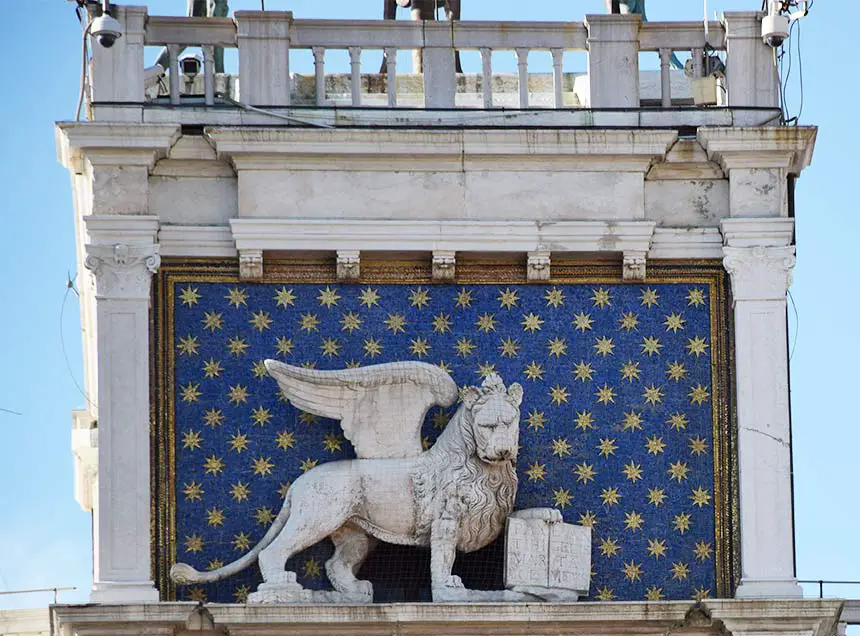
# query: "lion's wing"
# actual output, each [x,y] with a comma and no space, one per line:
[381,408]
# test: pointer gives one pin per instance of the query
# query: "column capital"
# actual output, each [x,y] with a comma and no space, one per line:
[122,271]
[759,273]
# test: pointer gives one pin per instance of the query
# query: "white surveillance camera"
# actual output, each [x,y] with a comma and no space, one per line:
[152,75]
[106,30]
[190,66]
[774,29]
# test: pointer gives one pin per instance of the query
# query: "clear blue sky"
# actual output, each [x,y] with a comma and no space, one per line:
[44,535]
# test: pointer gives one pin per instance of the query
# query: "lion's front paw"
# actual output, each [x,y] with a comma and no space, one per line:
[365,588]
[454,581]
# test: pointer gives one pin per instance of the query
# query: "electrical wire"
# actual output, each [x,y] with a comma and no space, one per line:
[796,326]
[270,113]
[70,286]
[800,72]
[786,66]
[84,67]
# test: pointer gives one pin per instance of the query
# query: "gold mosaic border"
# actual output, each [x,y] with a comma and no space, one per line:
[704,272]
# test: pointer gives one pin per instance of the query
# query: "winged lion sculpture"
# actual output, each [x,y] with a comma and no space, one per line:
[455,496]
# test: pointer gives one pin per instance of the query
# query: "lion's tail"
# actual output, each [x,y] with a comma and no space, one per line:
[184,574]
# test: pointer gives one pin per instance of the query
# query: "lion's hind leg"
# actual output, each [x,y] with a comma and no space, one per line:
[310,522]
[351,547]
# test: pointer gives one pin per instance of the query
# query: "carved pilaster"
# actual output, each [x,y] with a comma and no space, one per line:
[759,273]
[251,264]
[538,265]
[348,265]
[760,277]
[122,279]
[634,265]
[122,271]
[444,264]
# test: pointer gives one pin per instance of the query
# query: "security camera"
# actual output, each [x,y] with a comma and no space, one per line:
[152,75]
[775,25]
[106,30]
[774,29]
[190,66]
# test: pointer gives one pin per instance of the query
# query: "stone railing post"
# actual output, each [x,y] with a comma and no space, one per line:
[613,60]
[122,275]
[117,72]
[759,258]
[264,57]
[751,75]
[440,76]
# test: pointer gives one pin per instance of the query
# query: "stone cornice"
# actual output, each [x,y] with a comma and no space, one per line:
[196,241]
[812,617]
[113,143]
[429,236]
[772,147]
[791,618]
[757,232]
[110,229]
[445,150]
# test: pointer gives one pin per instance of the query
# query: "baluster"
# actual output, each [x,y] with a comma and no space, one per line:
[557,76]
[355,64]
[319,74]
[209,74]
[487,76]
[698,69]
[666,77]
[173,51]
[391,70]
[523,68]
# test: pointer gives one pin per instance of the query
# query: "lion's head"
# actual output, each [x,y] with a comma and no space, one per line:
[495,416]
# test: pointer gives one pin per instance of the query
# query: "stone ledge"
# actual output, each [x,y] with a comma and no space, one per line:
[114,143]
[440,150]
[454,235]
[795,618]
[766,147]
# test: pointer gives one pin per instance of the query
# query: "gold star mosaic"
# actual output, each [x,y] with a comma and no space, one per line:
[617,430]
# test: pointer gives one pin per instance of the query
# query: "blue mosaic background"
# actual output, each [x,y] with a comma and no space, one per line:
[617,418]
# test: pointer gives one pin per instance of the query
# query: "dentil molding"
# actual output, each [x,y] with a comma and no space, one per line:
[444,264]
[348,265]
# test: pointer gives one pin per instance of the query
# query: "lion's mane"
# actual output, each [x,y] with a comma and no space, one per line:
[452,468]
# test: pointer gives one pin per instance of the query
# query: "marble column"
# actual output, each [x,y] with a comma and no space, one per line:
[760,264]
[122,561]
